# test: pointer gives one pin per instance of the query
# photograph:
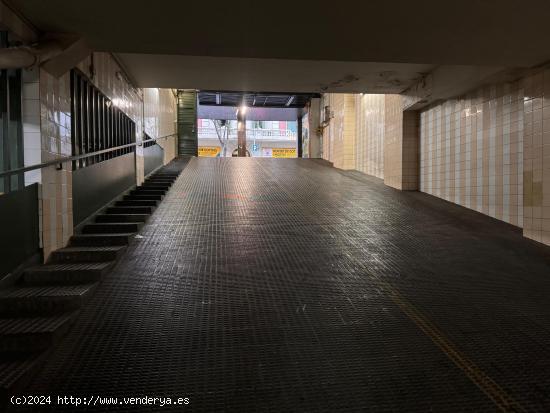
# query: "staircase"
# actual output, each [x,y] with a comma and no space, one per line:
[36,312]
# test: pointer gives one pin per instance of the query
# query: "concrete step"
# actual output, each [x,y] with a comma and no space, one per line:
[153,185]
[160,179]
[41,300]
[145,191]
[130,210]
[34,333]
[67,274]
[87,254]
[141,197]
[165,173]
[16,371]
[121,218]
[97,240]
[111,227]
[137,203]
[148,183]
[155,182]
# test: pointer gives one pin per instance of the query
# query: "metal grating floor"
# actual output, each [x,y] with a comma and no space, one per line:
[285,285]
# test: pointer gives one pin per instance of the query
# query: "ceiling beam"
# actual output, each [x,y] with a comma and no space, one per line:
[17,25]
[448,82]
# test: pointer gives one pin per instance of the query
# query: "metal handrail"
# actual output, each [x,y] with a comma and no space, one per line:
[64,159]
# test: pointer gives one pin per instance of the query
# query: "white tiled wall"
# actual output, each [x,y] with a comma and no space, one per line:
[56,188]
[393,141]
[369,144]
[339,136]
[380,144]
[49,119]
[31,124]
[536,155]
[472,151]
[488,150]
[159,118]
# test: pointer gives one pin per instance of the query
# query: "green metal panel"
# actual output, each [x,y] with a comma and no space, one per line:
[187,123]
[19,223]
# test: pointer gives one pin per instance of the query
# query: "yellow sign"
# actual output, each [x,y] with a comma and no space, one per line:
[283,152]
[209,151]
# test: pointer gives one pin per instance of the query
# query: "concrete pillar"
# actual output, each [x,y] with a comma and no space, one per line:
[410,172]
[241,132]
[401,145]
[339,132]
[299,139]
[314,113]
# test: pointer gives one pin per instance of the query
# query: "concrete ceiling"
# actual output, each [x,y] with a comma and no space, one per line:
[273,75]
[302,46]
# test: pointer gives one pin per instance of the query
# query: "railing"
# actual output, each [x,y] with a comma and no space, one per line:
[60,161]
[256,133]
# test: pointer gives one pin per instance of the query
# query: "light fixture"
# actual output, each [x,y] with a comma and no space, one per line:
[118,102]
[242,109]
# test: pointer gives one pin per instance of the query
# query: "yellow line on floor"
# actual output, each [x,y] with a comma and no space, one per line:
[496,393]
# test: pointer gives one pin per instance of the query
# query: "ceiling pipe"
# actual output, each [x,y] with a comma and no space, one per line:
[29,56]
